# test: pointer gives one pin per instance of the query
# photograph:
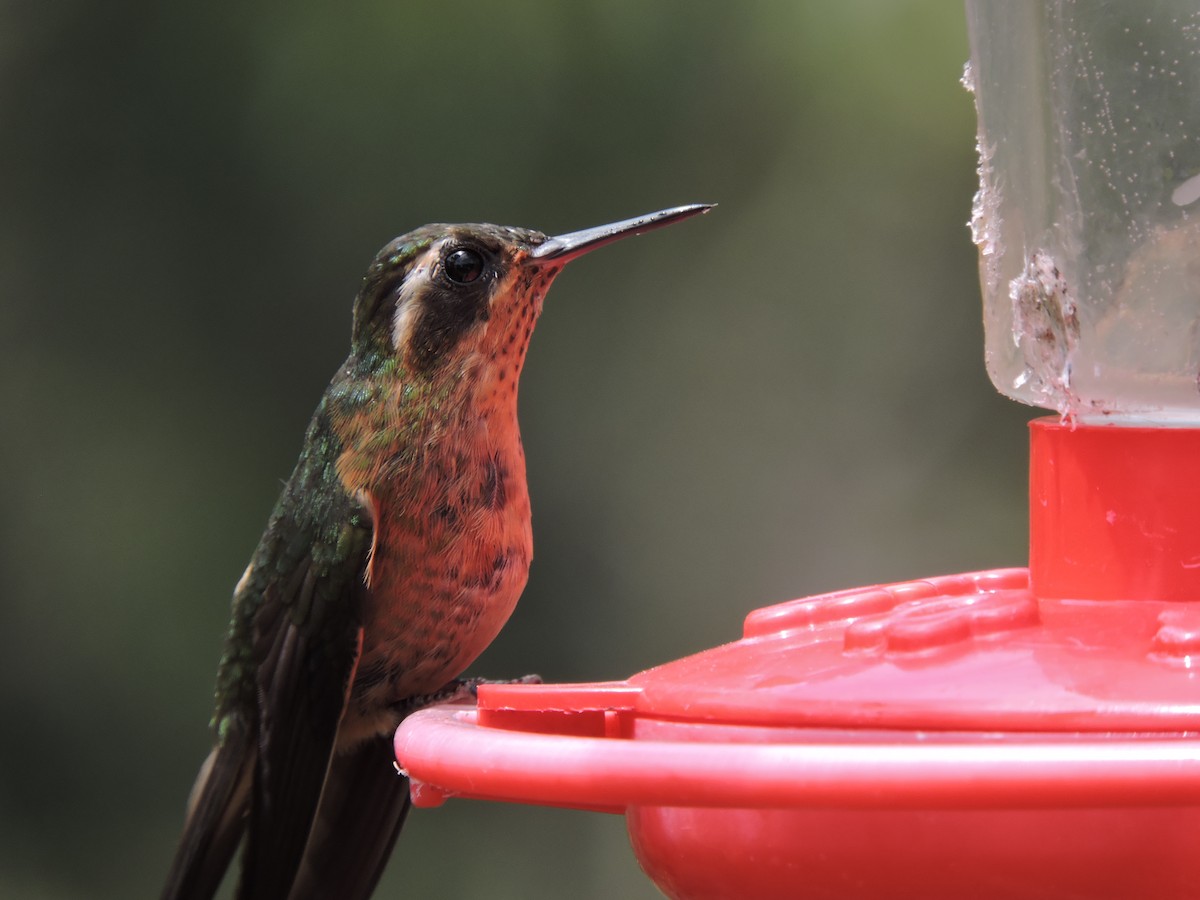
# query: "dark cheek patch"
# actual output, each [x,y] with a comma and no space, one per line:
[445,317]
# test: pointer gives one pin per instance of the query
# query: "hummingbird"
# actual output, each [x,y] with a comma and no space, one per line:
[394,555]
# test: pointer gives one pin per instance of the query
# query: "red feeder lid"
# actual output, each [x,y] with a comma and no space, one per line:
[930,707]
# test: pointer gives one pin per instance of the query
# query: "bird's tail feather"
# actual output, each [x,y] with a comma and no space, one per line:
[362,809]
[216,816]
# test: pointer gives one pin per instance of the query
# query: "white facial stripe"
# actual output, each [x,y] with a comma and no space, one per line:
[405,317]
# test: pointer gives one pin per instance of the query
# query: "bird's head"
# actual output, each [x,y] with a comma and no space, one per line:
[447,298]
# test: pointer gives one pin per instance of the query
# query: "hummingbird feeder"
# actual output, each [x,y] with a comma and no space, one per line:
[1026,732]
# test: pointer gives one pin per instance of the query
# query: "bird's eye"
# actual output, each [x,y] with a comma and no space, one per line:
[463,266]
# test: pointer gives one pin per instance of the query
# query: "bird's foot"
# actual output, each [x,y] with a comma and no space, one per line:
[459,690]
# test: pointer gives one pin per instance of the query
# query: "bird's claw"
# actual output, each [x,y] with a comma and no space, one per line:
[458,691]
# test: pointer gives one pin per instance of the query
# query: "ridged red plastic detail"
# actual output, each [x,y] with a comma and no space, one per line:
[843,606]
[917,626]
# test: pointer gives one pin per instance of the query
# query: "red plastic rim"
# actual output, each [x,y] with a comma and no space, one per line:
[446,753]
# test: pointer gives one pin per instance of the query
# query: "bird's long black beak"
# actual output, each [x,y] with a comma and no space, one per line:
[565,247]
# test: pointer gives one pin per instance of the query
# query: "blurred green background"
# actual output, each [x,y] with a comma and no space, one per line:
[783,397]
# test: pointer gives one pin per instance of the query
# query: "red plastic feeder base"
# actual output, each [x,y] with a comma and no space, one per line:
[962,736]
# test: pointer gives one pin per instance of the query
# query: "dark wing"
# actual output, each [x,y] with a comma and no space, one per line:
[362,811]
[303,680]
[215,820]
[293,647]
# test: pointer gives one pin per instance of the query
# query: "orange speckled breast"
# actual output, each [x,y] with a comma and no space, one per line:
[450,557]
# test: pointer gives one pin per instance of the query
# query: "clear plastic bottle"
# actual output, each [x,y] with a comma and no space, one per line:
[1088,211]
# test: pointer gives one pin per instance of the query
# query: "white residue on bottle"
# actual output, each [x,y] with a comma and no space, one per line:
[968,77]
[985,206]
[1046,331]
